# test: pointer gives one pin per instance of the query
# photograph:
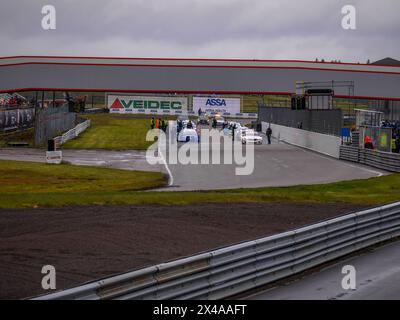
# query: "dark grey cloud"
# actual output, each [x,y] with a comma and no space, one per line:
[262,29]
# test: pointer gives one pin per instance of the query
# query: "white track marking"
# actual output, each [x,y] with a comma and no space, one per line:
[171,177]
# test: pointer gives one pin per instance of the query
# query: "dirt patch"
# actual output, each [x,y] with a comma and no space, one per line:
[86,243]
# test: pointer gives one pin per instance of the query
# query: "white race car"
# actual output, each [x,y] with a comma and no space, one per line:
[220,120]
[243,130]
[186,122]
[188,135]
[249,136]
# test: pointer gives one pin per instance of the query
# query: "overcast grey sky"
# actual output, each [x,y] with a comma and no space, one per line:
[251,29]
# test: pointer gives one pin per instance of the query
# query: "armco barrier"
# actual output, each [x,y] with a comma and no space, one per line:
[236,269]
[71,134]
[182,112]
[374,158]
[322,143]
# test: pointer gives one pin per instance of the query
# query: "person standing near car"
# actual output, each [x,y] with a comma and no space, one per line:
[214,123]
[269,134]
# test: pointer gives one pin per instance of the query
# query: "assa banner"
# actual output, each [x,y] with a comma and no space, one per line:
[136,104]
[213,104]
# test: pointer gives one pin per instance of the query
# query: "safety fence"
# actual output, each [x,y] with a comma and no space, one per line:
[233,270]
[51,121]
[321,121]
[16,119]
[374,158]
[71,134]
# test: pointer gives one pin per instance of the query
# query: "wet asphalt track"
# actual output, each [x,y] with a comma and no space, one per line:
[377,278]
[275,165]
[127,160]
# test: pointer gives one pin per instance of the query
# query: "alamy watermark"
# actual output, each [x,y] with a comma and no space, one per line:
[349,281]
[215,147]
[49,279]
[49,20]
[349,20]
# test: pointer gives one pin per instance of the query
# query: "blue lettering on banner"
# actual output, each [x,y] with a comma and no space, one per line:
[216,102]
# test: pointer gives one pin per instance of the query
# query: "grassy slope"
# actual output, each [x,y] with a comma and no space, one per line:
[113,132]
[19,136]
[30,185]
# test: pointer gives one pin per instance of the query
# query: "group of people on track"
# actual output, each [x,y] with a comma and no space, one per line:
[158,124]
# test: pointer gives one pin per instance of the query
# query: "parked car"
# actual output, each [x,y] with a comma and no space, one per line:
[250,136]
[191,124]
[220,120]
[203,119]
[188,135]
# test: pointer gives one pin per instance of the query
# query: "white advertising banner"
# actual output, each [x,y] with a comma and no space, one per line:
[53,157]
[145,104]
[219,105]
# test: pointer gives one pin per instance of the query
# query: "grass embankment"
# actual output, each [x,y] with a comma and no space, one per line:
[29,185]
[113,132]
[26,136]
[26,184]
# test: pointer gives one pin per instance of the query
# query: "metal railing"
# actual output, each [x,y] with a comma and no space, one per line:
[71,134]
[236,269]
[186,113]
[374,158]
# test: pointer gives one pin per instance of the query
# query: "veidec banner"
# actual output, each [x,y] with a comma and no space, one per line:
[217,104]
[132,104]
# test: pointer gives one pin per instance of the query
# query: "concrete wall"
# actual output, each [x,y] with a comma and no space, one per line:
[322,121]
[322,143]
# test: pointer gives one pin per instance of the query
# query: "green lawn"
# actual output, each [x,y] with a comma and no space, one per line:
[25,184]
[113,132]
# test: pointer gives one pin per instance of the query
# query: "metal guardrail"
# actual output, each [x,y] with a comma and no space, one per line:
[71,134]
[185,113]
[349,153]
[382,160]
[236,269]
